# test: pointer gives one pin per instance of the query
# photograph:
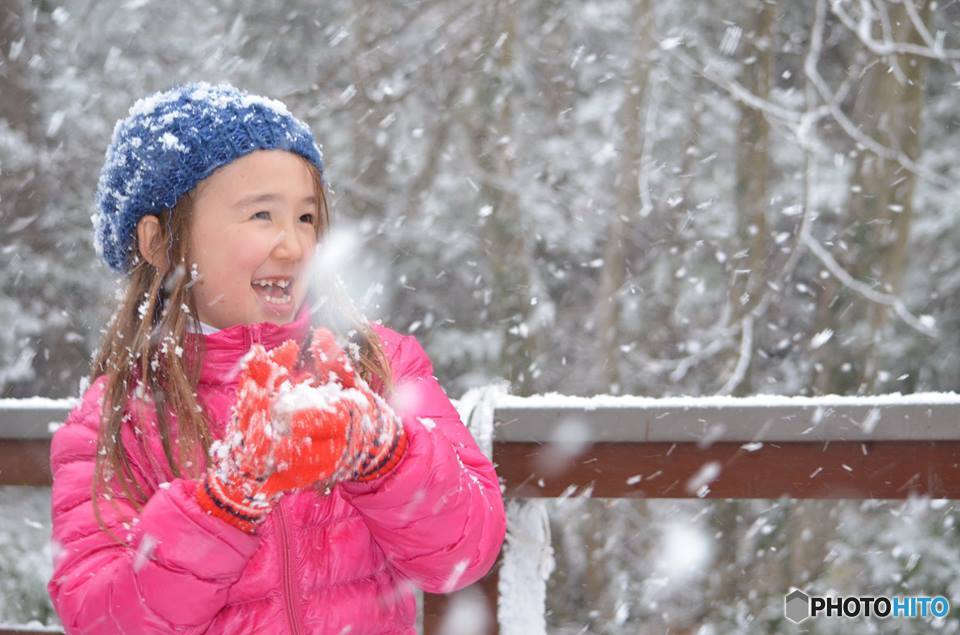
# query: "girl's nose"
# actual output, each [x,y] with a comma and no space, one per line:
[288,246]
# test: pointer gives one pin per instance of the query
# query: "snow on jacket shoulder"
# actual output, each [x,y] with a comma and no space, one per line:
[320,563]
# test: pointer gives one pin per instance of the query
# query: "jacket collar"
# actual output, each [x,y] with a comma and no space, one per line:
[225,348]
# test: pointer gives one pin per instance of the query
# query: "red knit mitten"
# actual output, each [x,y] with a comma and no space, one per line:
[383,438]
[294,429]
[240,464]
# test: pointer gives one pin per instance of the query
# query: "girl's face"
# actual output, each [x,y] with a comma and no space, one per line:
[252,238]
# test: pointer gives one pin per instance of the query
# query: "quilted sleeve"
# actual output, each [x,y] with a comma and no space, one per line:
[438,516]
[176,566]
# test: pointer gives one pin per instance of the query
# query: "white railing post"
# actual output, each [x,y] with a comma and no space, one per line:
[527,559]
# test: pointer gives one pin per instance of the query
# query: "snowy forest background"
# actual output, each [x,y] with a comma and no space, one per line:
[623,197]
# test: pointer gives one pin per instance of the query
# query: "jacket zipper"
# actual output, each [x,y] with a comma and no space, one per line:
[289,587]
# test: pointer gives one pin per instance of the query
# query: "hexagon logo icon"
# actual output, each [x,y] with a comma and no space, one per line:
[796,606]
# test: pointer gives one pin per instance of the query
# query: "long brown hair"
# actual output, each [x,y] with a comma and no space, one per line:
[142,353]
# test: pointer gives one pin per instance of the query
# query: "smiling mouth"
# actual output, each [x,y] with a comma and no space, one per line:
[274,290]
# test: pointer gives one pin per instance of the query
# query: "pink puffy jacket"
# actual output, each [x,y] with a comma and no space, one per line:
[339,562]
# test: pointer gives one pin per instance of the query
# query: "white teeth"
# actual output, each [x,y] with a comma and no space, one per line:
[283,284]
[284,299]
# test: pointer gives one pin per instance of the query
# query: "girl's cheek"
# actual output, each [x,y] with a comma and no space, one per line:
[242,250]
[258,247]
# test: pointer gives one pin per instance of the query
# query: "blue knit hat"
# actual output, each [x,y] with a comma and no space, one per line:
[172,140]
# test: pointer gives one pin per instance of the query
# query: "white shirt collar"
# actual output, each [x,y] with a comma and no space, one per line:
[205,328]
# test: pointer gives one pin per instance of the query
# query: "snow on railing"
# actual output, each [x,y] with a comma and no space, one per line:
[555,446]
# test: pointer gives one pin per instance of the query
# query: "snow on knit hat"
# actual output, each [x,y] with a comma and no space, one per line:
[172,140]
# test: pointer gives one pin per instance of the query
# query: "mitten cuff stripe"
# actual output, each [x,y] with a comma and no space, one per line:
[217,508]
[388,462]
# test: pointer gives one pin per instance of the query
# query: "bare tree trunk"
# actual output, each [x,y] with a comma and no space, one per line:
[597,583]
[370,153]
[899,183]
[889,109]
[24,196]
[613,274]
[726,521]
[749,274]
[503,232]
[811,524]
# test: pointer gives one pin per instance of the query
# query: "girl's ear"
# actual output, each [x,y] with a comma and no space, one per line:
[148,240]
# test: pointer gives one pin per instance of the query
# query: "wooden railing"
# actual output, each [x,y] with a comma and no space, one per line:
[627,447]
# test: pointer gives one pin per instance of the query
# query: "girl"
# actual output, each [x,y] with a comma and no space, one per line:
[214,478]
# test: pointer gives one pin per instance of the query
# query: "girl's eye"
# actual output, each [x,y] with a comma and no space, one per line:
[265,215]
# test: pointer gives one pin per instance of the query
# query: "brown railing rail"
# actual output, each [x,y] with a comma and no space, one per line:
[888,447]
